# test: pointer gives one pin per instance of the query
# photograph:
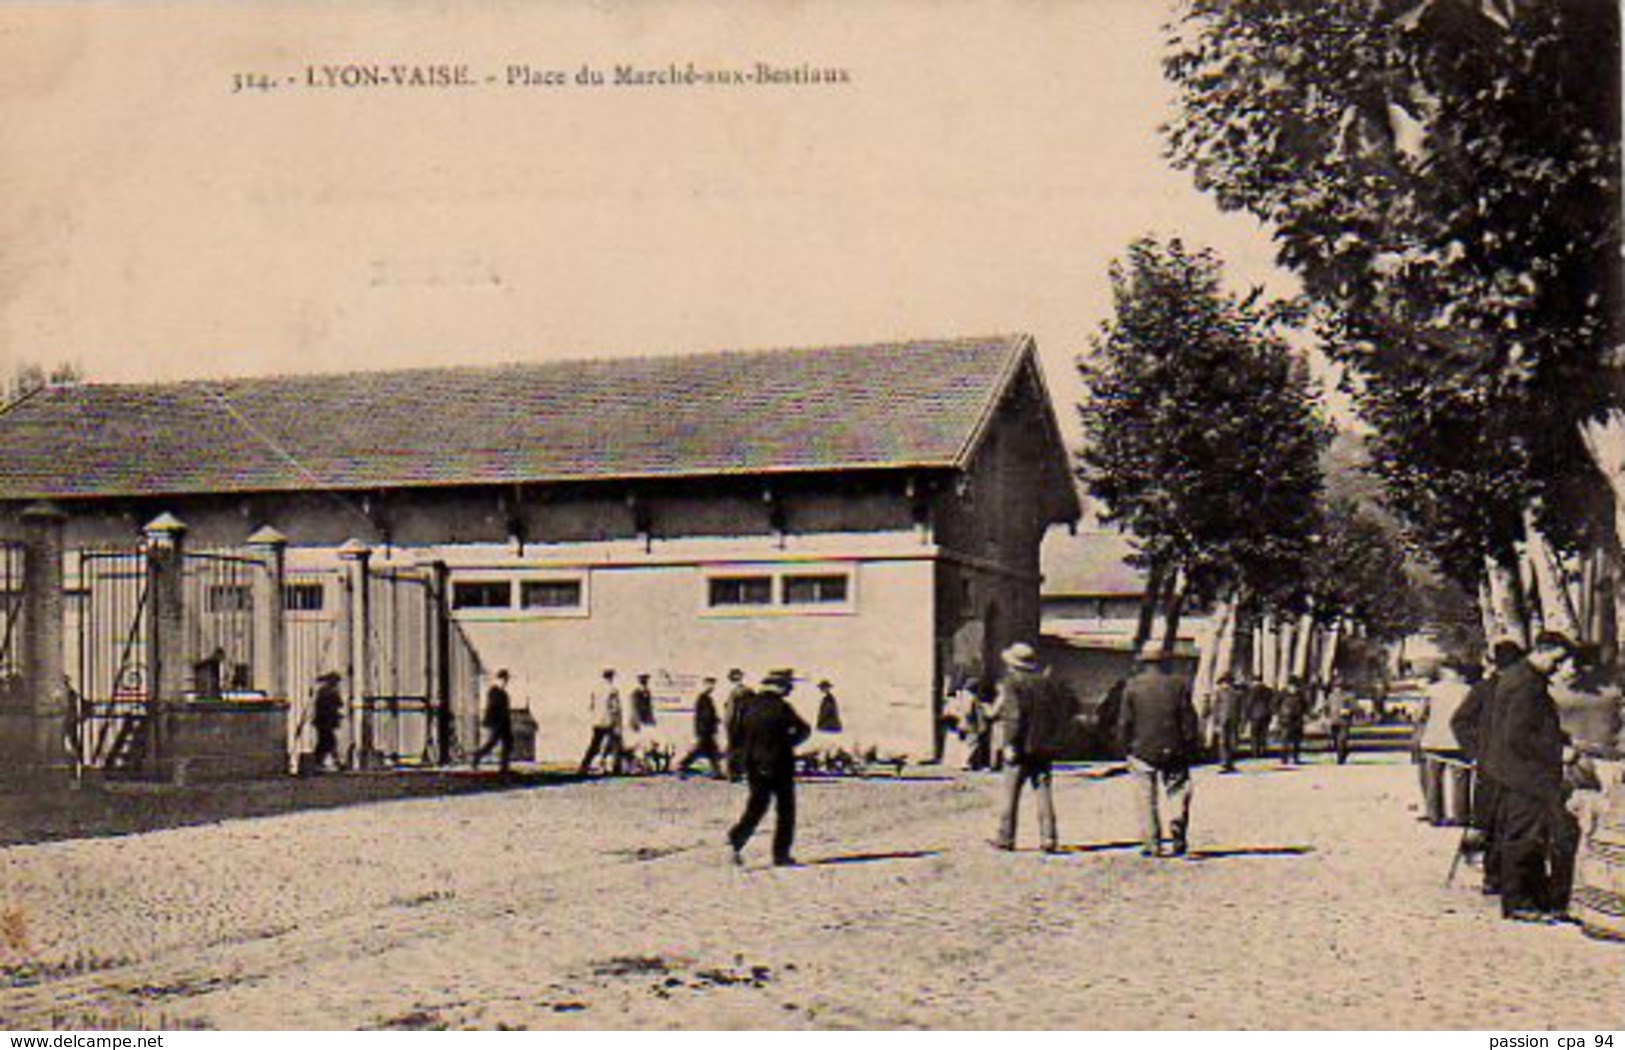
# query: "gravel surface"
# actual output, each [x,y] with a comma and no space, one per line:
[1314,899]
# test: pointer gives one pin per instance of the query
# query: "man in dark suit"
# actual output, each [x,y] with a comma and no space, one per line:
[1294,712]
[1158,729]
[1524,753]
[498,722]
[1472,726]
[326,717]
[706,726]
[765,748]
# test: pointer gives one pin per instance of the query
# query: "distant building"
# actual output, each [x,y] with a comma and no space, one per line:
[854,513]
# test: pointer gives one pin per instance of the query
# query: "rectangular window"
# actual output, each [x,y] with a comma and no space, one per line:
[815,590]
[228,598]
[550,594]
[304,597]
[741,590]
[481,594]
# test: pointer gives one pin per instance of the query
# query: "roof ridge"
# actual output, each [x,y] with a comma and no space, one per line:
[1012,341]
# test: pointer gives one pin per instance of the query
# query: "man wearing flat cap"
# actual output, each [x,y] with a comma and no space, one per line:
[1523,753]
[769,730]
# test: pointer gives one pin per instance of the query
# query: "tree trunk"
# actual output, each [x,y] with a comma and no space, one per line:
[1149,602]
[1175,609]
[1506,614]
[1328,651]
[1210,643]
[1556,611]
[1605,439]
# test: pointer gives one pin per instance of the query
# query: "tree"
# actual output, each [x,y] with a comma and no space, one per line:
[1359,574]
[1202,431]
[1443,176]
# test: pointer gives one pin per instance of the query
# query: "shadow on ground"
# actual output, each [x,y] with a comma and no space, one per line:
[129,808]
[870,858]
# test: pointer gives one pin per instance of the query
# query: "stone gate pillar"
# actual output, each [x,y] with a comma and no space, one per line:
[270,618]
[37,731]
[358,635]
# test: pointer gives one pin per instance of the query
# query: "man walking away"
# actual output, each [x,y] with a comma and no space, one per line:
[605,706]
[498,722]
[706,727]
[1260,712]
[326,715]
[1158,730]
[643,704]
[1524,753]
[1036,716]
[1228,701]
[765,748]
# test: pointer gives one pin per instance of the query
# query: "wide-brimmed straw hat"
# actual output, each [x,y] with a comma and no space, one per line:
[1020,657]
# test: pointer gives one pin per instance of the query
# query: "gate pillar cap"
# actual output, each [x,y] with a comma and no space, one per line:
[44,510]
[354,549]
[164,527]
[266,536]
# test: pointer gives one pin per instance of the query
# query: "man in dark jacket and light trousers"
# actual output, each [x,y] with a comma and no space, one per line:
[768,730]
[1035,714]
[1158,729]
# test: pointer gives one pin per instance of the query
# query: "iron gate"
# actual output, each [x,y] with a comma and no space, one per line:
[12,564]
[111,683]
[396,714]
[219,624]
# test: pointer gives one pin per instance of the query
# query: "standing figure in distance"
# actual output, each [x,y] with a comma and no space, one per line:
[1159,732]
[498,722]
[1036,717]
[1294,712]
[737,692]
[1340,718]
[765,747]
[327,714]
[1260,712]
[706,727]
[1228,701]
[605,706]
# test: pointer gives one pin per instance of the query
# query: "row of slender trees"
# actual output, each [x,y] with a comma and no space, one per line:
[1443,178]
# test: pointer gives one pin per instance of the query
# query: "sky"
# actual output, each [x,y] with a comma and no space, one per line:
[975,173]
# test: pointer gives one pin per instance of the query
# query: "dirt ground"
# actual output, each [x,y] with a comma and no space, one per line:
[1314,899]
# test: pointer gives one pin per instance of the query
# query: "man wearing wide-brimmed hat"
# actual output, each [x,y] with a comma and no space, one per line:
[769,730]
[1035,714]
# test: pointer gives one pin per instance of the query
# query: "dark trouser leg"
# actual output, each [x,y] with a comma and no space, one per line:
[599,736]
[1229,734]
[784,817]
[505,748]
[1433,788]
[1340,742]
[761,793]
[1294,747]
[1261,739]
[1562,843]
[1522,820]
[1486,801]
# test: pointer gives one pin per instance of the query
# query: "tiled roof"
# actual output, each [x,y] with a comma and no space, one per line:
[1090,564]
[917,404]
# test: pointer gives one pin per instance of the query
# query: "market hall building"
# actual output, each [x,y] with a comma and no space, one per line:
[871,515]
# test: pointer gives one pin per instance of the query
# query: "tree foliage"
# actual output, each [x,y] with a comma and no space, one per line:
[29,377]
[1202,430]
[1442,174]
[1359,572]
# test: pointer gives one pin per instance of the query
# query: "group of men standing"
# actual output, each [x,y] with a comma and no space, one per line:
[1239,699]
[1508,726]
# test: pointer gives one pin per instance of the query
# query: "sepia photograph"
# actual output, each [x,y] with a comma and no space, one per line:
[707,516]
